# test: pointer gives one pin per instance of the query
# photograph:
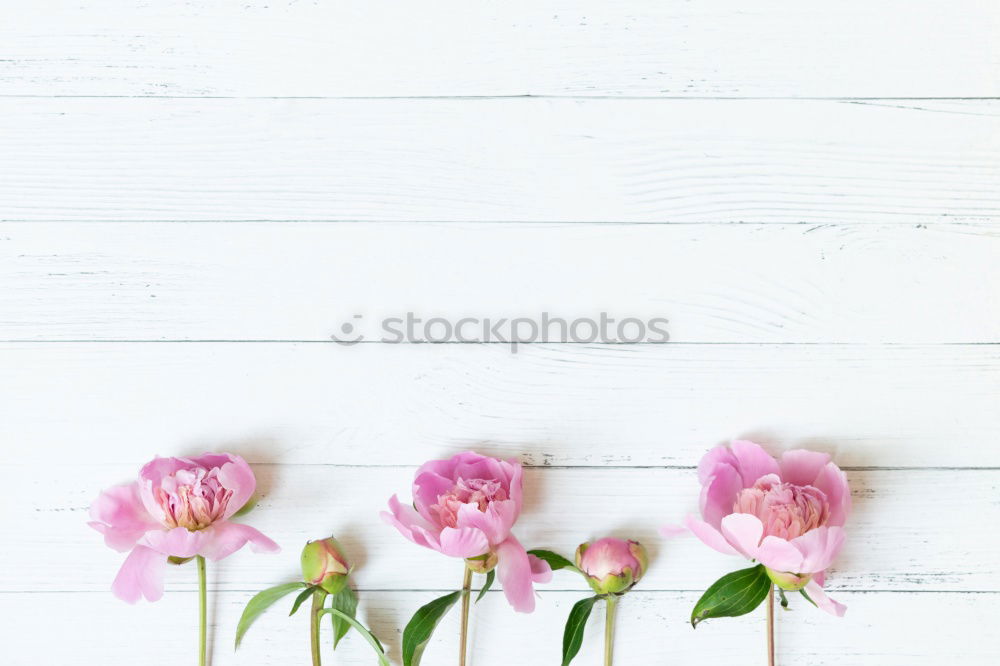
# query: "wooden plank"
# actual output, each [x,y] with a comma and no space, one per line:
[448,47]
[500,160]
[902,531]
[578,405]
[714,283]
[892,629]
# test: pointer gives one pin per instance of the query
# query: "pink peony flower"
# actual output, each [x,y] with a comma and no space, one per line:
[787,515]
[611,566]
[465,507]
[178,507]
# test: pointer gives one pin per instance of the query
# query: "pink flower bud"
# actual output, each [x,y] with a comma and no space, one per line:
[611,566]
[324,564]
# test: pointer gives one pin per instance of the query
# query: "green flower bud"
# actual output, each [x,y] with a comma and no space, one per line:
[324,564]
[482,563]
[790,582]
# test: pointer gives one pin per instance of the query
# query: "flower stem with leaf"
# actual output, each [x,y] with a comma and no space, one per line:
[318,601]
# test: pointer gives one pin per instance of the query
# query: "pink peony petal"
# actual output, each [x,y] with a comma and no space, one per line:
[673,531]
[179,541]
[226,538]
[710,536]
[819,547]
[235,474]
[817,594]
[780,555]
[801,467]
[462,542]
[496,522]
[141,575]
[427,488]
[833,482]
[719,493]
[118,513]
[541,572]
[754,461]
[743,531]
[720,454]
[410,523]
[515,573]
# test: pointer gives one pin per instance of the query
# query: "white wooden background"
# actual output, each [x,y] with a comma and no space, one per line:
[196,193]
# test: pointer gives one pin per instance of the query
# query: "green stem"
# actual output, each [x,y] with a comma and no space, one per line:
[609,629]
[770,626]
[319,600]
[466,588]
[202,612]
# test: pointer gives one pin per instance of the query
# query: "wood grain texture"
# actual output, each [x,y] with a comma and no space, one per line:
[912,628]
[852,48]
[500,159]
[901,532]
[554,405]
[714,283]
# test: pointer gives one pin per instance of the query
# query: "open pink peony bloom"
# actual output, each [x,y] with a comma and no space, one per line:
[788,514]
[177,507]
[465,507]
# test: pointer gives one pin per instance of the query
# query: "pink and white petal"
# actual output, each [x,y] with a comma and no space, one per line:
[463,542]
[226,538]
[754,461]
[496,522]
[237,476]
[833,482]
[820,578]
[818,595]
[118,513]
[819,547]
[541,572]
[710,536]
[743,531]
[179,541]
[719,493]
[515,573]
[801,467]
[780,555]
[718,455]
[141,575]
[515,482]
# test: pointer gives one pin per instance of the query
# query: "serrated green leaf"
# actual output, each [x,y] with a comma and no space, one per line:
[346,602]
[734,594]
[306,593]
[368,636]
[420,627]
[490,577]
[259,603]
[554,560]
[575,624]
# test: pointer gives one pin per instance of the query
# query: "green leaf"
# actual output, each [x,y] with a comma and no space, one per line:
[368,636]
[346,602]
[260,603]
[306,593]
[490,576]
[554,560]
[420,627]
[784,599]
[808,598]
[575,624]
[734,594]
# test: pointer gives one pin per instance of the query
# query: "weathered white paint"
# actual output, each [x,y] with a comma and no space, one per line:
[579,405]
[829,268]
[850,48]
[647,160]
